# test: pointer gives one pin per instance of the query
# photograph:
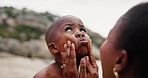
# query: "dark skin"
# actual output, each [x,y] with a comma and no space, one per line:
[70,46]
[111,57]
[123,54]
[88,66]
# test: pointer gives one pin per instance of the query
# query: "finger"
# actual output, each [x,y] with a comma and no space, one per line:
[68,54]
[63,59]
[92,57]
[90,47]
[73,57]
[89,66]
[93,62]
[67,71]
[64,53]
[63,66]
[64,56]
[83,73]
[88,75]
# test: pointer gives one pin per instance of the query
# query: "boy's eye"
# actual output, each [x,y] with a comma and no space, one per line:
[68,29]
[82,30]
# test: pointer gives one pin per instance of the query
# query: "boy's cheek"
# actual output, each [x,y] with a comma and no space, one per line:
[89,41]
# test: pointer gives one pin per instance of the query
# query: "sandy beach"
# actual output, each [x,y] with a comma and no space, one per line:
[12,66]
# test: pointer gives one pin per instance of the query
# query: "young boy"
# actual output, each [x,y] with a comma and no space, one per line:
[68,42]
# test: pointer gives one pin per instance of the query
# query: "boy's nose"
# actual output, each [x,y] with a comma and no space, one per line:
[79,34]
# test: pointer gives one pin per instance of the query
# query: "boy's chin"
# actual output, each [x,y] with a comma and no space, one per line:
[82,52]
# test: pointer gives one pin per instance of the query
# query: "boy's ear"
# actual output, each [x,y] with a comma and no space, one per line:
[121,61]
[52,48]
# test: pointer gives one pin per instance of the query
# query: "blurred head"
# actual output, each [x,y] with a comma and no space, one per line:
[67,28]
[126,45]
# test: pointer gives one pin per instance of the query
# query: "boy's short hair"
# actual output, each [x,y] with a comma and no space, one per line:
[50,35]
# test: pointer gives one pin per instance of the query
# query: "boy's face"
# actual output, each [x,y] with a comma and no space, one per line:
[72,29]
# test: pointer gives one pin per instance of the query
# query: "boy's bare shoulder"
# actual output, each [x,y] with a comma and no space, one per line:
[45,72]
[42,73]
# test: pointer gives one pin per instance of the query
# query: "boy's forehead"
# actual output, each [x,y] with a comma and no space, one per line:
[68,19]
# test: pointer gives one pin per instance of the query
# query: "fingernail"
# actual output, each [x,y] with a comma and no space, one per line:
[83,60]
[73,46]
[65,46]
[69,43]
[61,53]
[87,58]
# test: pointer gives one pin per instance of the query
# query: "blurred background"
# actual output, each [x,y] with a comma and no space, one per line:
[23,51]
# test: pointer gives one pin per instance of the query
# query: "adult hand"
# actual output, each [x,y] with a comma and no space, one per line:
[69,61]
[88,66]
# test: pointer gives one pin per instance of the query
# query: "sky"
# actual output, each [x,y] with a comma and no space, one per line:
[97,15]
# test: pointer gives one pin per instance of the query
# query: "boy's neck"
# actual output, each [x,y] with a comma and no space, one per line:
[78,62]
[59,64]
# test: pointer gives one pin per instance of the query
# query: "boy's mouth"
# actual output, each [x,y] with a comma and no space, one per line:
[83,42]
[82,49]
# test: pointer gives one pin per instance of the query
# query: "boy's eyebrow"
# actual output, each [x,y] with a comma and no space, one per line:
[70,24]
[81,25]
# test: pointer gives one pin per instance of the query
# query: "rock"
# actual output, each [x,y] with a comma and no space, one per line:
[36,48]
[32,49]
[12,19]
[9,45]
